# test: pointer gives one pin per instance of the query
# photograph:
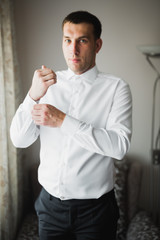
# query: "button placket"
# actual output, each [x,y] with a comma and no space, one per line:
[63,167]
[74,99]
[73,112]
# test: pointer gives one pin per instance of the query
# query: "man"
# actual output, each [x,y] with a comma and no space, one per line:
[84,121]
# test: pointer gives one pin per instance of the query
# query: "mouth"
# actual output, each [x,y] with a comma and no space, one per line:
[75,60]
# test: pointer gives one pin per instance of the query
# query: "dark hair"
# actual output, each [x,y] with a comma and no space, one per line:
[84,17]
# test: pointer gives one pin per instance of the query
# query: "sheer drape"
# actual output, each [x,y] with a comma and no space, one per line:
[10,193]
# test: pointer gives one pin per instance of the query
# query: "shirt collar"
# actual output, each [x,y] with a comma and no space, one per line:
[89,75]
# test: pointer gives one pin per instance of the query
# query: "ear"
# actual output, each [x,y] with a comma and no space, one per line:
[98,44]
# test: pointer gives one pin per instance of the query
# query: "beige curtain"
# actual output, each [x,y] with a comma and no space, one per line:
[10,192]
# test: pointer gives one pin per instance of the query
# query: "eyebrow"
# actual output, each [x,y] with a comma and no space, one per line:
[78,38]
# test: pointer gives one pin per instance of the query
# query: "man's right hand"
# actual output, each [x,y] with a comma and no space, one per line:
[42,80]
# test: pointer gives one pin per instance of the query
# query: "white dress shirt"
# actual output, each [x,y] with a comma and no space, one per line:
[76,160]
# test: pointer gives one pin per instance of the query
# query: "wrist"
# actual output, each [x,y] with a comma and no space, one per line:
[61,117]
[34,98]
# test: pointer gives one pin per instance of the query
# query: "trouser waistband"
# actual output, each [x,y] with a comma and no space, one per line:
[78,202]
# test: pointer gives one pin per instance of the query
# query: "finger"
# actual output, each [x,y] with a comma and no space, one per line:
[36,119]
[36,112]
[50,82]
[49,77]
[37,122]
[44,70]
[41,107]
[37,106]
[47,71]
[43,66]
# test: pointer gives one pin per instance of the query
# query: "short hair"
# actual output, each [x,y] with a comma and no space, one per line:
[84,17]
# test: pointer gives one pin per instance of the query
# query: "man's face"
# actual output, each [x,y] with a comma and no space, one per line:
[79,46]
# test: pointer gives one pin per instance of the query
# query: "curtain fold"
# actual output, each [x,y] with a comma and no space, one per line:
[10,97]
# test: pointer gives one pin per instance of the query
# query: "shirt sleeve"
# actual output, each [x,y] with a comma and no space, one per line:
[23,130]
[113,140]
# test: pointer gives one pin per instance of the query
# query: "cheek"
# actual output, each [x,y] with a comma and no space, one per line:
[64,52]
[89,55]
[64,48]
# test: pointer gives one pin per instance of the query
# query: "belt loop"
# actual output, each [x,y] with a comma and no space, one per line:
[50,197]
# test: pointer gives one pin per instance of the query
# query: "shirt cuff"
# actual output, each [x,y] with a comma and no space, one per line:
[28,103]
[70,125]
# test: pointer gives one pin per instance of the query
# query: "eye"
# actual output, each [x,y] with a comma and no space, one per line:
[67,40]
[83,40]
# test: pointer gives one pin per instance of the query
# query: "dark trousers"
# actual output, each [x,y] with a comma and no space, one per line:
[94,219]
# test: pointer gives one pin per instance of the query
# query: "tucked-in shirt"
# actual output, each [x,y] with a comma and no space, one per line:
[76,160]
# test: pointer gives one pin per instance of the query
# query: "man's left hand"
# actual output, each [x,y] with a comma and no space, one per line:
[47,115]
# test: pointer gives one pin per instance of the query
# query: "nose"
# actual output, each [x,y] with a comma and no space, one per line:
[75,47]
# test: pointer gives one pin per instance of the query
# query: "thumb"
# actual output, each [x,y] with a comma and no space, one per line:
[43,66]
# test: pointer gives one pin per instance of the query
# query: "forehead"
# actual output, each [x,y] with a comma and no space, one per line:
[81,29]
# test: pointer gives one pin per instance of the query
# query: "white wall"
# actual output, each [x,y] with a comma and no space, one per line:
[126,24]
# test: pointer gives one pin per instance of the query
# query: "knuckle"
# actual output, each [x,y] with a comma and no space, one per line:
[43,118]
[52,75]
[45,108]
[38,74]
[45,114]
[36,71]
[48,70]
[53,72]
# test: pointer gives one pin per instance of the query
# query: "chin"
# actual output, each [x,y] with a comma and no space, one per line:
[75,70]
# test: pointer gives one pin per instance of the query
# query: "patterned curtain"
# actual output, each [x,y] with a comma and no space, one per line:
[10,190]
